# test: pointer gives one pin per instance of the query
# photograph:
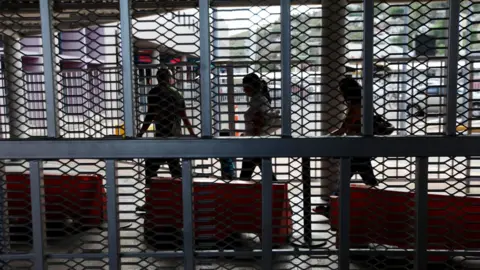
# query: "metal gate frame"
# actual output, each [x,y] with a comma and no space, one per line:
[420,147]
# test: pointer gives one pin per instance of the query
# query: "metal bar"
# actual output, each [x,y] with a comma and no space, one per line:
[421,211]
[307,200]
[367,97]
[127,69]
[253,253]
[205,94]
[4,231]
[468,181]
[216,253]
[178,148]
[38,212]
[187,200]
[402,131]
[267,212]
[4,215]
[157,255]
[112,215]
[452,67]
[285,51]
[49,69]
[15,87]
[231,101]
[152,8]
[329,252]
[16,257]
[70,256]
[344,221]
[353,61]
[333,60]
[216,73]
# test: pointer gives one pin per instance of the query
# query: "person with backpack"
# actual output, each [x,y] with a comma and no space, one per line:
[166,110]
[352,126]
[258,118]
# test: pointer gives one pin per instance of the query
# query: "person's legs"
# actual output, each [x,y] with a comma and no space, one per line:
[363,166]
[175,167]
[325,209]
[151,167]
[248,167]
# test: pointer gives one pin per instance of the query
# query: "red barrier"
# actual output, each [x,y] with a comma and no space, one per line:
[388,217]
[220,208]
[80,198]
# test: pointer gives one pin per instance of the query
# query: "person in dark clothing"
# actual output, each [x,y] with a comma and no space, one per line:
[166,110]
[352,125]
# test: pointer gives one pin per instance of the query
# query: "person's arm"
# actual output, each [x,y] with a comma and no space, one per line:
[342,130]
[186,122]
[339,131]
[149,117]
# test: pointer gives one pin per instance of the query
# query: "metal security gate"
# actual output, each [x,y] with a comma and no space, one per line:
[74,89]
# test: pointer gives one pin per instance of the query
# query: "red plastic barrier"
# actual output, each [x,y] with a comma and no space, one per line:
[220,208]
[388,217]
[80,198]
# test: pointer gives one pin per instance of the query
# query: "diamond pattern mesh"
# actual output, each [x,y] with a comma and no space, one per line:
[411,67]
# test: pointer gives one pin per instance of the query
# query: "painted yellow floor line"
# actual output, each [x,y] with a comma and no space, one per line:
[120,130]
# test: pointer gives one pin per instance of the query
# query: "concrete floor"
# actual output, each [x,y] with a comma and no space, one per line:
[95,241]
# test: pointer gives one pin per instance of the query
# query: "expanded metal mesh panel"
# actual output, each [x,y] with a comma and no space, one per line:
[88,77]
[173,72]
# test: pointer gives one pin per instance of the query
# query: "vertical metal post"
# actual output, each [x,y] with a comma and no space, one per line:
[367,99]
[402,97]
[468,182]
[231,100]
[333,60]
[267,212]
[303,96]
[452,67]
[38,213]
[127,69]
[307,200]
[112,215]
[216,73]
[205,95]
[421,211]
[285,51]
[49,69]
[184,75]
[187,200]
[344,221]
[4,237]
[16,92]
[61,118]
